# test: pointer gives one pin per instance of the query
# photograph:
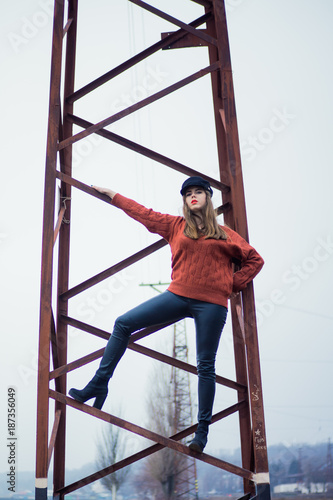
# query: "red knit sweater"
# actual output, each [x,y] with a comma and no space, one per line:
[201,269]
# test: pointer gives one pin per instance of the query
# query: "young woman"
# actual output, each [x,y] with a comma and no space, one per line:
[202,281]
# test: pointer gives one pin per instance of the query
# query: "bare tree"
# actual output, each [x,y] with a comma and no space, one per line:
[164,465]
[111,449]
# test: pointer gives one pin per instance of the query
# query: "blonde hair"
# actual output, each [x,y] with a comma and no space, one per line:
[211,227]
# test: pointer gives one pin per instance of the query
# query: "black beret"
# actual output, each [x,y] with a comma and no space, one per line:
[196,181]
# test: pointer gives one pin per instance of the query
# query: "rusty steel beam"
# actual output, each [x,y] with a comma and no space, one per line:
[97,354]
[196,33]
[89,190]
[133,61]
[83,187]
[152,436]
[146,452]
[139,105]
[114,269]
[64,242]
[58,224]
[53,436]
[67,26]
[138,348]
[153,155]
[255,384]
[226,127]
[220,96]
[54,349]
[47,258]
[184,366]
[205,3]
[105,335]
[254,454]
[187,40]
[241,377]
[54,374]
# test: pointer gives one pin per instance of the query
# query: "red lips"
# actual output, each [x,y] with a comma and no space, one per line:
[193,201]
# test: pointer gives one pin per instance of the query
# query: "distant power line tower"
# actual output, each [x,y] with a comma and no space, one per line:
[208,33]
[186,482]
[329,463]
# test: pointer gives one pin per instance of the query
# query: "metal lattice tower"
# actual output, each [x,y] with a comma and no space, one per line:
[329,463]
[186,480]
[209,30]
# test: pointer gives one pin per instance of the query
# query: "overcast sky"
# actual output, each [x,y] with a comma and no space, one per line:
[281,57]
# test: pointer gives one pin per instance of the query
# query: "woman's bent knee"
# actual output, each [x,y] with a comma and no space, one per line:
[206,369]
[122,327]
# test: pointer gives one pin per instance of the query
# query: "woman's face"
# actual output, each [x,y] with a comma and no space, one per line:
[195,198]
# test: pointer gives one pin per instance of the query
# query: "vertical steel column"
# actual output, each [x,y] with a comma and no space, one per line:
[230,164]
[219,101]
[64,244]
[47,257]
[241,377]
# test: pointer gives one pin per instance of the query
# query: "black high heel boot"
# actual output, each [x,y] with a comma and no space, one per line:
[199,441]
[97,388]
